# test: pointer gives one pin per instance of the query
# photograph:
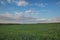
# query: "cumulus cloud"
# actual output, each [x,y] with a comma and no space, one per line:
[17,2]
[31,12]
[6,14]
[17,15]
[28,11]
[41,4]
[22,3]
[19,18]
[2,2]
[25,3]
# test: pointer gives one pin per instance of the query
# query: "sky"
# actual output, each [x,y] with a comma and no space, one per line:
[30,11]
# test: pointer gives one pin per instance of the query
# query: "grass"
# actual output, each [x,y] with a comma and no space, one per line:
[46,31]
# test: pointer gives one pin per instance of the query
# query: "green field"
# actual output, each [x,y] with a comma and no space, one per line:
[30,31]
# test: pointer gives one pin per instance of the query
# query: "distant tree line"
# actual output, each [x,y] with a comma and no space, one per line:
[9,24]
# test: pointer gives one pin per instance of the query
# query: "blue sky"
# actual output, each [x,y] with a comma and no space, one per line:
[30,8]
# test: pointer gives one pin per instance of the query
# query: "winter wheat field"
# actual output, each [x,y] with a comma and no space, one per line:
[45,31]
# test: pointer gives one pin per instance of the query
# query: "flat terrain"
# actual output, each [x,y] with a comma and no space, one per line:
[46,31]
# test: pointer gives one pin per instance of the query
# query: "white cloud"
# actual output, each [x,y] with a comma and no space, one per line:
[28,11]
[41,4]
[18,15]
[17,2]
[2,2]
[41,19]
[22,3]
[13,16]
[56,19]
[19,18]
[7,14]
[7,21]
